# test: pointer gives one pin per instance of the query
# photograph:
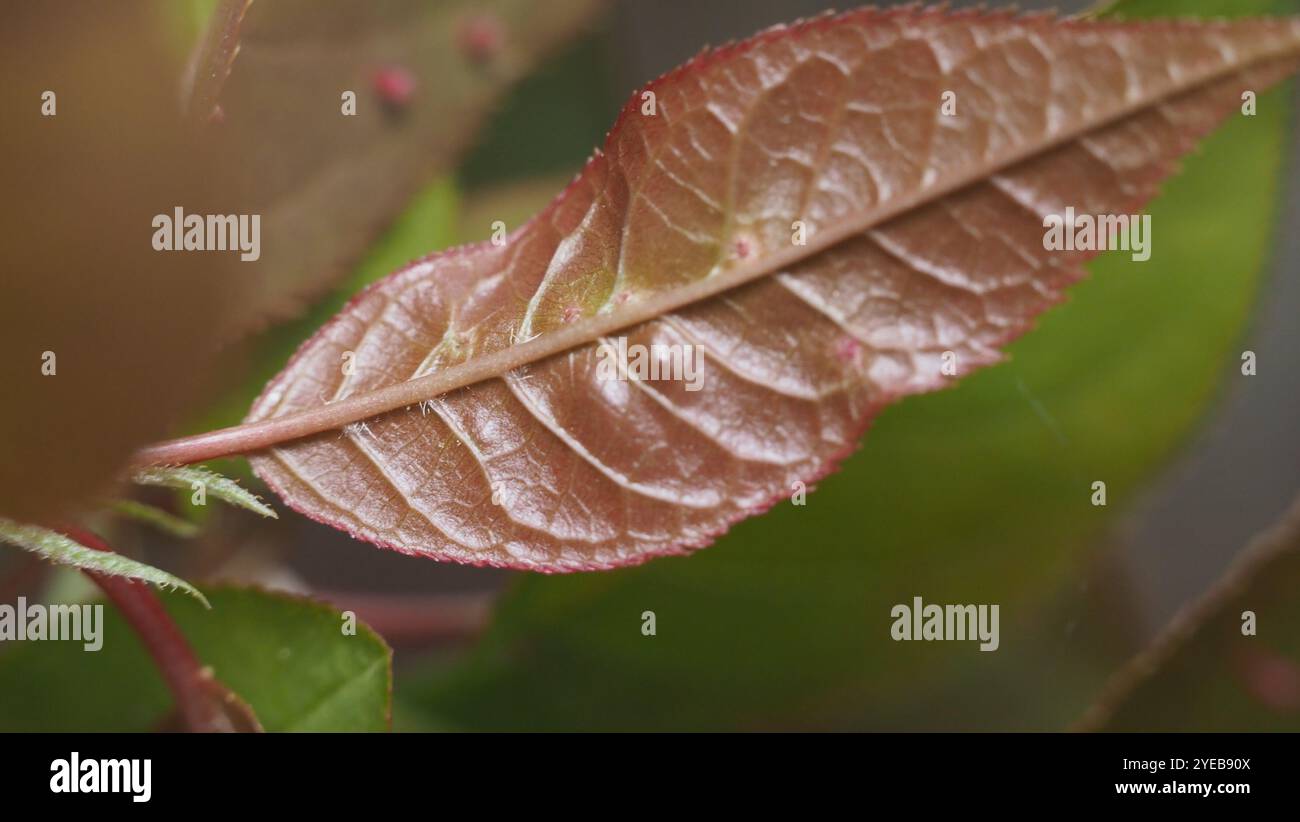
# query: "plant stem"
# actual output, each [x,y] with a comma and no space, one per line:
[1255,560]
[199,697]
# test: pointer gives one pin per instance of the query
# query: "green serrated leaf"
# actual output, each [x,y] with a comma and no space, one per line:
[223,488]
[62,549]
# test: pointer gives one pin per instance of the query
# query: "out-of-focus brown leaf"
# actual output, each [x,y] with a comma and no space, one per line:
[1216,668]
[424,75]
[128,329]
[497,440]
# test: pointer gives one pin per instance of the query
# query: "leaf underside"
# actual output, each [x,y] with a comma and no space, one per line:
[924,235]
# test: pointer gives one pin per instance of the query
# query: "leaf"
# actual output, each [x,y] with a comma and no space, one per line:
[1205,672]
[424,76]
[92,319]
[188,477]
[61,549]
[287,657]
[977,494]
[428,221]
[156,517]
[909,254]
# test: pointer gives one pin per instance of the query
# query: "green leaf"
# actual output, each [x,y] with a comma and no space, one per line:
[979,494]
[287,657]
[61,549]
[156,517]
[187,477]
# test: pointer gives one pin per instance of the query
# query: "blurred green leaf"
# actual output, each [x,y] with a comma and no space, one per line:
[155,517]
[550,122]
[979,494]
[287,657]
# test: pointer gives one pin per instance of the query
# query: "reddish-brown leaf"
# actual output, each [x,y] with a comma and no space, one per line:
[924,235]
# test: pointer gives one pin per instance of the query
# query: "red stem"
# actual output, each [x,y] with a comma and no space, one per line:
[189,681]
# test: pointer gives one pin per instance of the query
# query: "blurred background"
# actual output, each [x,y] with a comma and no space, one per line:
[980,494]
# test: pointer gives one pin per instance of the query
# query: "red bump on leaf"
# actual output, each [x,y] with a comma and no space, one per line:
[847,349]
[1270,678]
[743,247]
[481,37]
[395,85]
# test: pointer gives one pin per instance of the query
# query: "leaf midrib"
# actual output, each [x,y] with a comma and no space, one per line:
[263,434]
